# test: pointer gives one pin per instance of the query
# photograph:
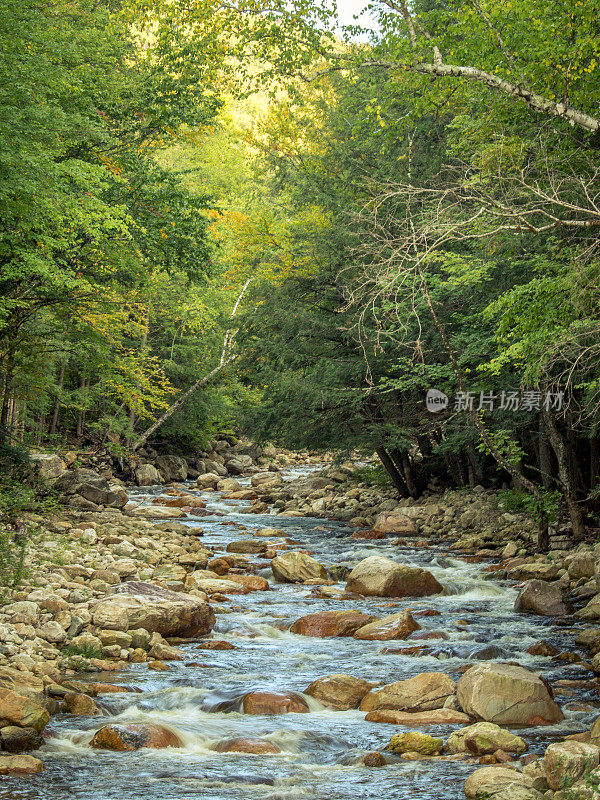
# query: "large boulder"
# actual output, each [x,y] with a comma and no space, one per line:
[47,467]
[20,765]
[247,744]
[507,695]
[415,742]
[377,576]
[172,468]
[488,781]
[147,475]
[419,719]
[134,736]
[541,597]
[266,480]
[145,605]
[22,712]
[395,522]
[394,626]
[484,738]
[566,762]
[424,692]
[295,567]
[81,486]
[340,691]
[331,623]
[274,703]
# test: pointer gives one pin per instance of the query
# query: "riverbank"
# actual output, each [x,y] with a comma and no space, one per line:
[179,572]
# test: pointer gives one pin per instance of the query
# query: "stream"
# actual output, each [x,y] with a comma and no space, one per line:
[476,613]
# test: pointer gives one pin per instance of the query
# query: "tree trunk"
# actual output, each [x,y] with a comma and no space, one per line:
[226,358]
[392,471]
[545,454]
[565,476]
[57,400]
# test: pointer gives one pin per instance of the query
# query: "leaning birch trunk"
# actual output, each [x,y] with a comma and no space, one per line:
[226,358]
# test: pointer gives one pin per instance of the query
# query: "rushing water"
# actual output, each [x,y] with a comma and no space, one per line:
[317,746]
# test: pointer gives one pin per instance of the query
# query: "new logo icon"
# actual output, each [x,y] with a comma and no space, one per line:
[436,400]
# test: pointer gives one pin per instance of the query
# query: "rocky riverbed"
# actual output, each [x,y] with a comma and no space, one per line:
[256,624]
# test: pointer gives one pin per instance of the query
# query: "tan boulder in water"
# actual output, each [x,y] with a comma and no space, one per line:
[394,626]
[20,765]
[331,623]
[507,695]
[541,597]
[487,781]
[484,738]
[395,522]
[146,606]
[415,742]
[295,567]
[424,692]
[419,719]
[339,691]
[377,576]
[134,736]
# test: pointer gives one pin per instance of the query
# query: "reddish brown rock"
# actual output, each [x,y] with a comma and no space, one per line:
[133,737]
[274,703]
[247,745]
[331,623]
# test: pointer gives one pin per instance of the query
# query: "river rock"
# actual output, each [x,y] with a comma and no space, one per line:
[147,475]
[415,742]
[419,719]
[424,692]
[274,703]
[487,781]
[247,745]
[266,480]
[15,709]
[156,610]
[134,736]
[507,695]
[209,480]
[484,738]
[229,485]
[394,626]
[199,580]
[253,583]
[565,762]
[381,577]
[249,546]
[395,522]
[541,597]
[295,567]
[331,623]
[172,468]
[156,512]
[79,704]
[540,570]
[20,765]
[16,740]
[339,691]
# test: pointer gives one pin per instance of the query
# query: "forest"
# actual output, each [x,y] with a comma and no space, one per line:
[249,216]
